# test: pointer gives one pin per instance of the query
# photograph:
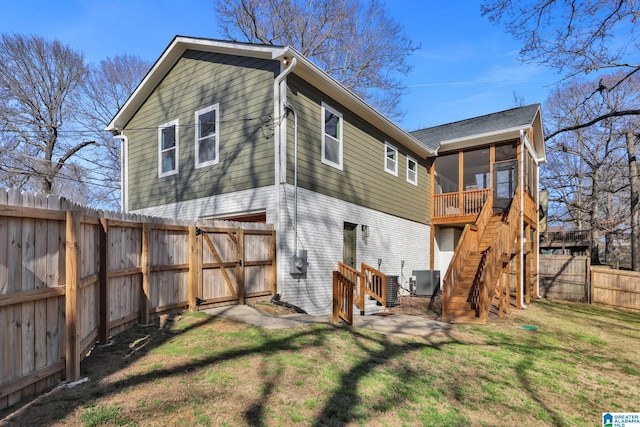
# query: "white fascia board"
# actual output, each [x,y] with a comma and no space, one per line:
[539,144]
[482,138]
[168,59]
[313,74]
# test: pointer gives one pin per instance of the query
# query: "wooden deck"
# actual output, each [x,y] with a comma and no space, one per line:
[463,206]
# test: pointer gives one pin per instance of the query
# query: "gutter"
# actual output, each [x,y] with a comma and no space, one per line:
[291,108]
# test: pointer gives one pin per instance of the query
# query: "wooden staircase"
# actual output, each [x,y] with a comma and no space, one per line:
[464,301]
[476,273]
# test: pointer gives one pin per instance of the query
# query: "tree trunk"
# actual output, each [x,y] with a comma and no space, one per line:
[594,217]
[635,207]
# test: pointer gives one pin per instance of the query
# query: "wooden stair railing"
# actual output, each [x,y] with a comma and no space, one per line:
[484,247]
[351,286]
[374,284]
[497,255]
[467,244]
[343,289]
[356,277]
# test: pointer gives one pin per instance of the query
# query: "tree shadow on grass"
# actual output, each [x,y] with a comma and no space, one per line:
[133,345]
[343,406]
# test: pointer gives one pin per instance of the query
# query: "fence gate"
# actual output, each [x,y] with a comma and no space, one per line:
[564,277]
[235,264]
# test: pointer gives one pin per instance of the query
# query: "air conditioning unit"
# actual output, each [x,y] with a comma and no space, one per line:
[392,291]
[425,282]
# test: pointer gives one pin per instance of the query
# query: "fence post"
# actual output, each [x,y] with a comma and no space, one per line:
[72,266]
[103,324]
[145,260]
[240,265]
[194,255]
[274,263]
[589,277]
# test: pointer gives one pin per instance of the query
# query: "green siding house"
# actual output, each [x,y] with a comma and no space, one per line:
[240,131]
[252,132]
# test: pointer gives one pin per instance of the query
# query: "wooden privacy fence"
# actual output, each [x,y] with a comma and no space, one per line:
[71,276]
[615,288]
[564,277]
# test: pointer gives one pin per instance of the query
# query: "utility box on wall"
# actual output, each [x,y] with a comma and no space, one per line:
[299,263]
[425,282]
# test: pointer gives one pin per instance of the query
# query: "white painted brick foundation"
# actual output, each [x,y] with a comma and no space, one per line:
[229,204]
[320,231]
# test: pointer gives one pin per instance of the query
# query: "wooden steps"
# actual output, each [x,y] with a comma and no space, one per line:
[462,305]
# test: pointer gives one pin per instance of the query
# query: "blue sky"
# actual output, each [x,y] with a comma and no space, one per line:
[466,66]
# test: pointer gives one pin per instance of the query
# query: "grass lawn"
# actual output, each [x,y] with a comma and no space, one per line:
[201,370]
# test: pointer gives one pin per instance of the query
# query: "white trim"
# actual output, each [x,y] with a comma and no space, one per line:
[415,180]
[394,159]
[497,133]
[339,140]
[174,171]
[531,150]
[197,139]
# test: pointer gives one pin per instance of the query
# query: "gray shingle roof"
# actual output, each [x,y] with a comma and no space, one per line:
[515,117]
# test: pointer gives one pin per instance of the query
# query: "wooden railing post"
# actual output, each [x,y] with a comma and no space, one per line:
[72,267]
[145,260]
[103,324]
[336,298]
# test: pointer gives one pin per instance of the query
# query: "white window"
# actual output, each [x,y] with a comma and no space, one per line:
[412,171]
[207,131]
[168,149]
[391,159]
[331,137]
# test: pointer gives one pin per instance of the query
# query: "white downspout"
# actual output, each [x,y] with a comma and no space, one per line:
[522,236]
[279,137]
[295,177]
[124,172]
[538,231]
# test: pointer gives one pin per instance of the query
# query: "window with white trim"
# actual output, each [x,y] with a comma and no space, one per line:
[412,171]
[206,138]
[332,125]
[168,141]
[391,159]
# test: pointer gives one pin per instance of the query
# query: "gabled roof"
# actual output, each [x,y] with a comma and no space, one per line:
[304,68]
[485,129]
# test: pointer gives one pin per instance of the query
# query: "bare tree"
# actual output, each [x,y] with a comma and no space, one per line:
[39,80]
[106,89]
[355,42]
[583,36]
[583,173]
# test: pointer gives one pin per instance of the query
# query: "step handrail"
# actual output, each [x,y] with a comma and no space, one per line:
[468,243]
[493,266]
[357,278]
[374,283]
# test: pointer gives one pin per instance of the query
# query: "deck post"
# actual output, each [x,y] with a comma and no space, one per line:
[519,281]
[527,264]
